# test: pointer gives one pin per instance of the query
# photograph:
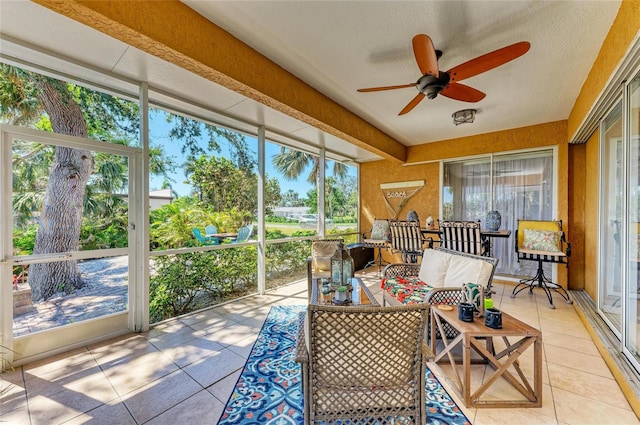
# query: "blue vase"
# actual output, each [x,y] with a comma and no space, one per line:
[493,221]
[412,216]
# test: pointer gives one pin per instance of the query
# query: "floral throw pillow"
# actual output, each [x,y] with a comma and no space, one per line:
[380,230]
[541,240]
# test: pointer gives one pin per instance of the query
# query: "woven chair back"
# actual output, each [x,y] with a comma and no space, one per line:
[366,362]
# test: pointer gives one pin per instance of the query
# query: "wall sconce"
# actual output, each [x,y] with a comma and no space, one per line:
[464,116]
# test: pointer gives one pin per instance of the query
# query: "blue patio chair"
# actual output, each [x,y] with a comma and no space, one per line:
[243,233]
[204,240]
[210,229]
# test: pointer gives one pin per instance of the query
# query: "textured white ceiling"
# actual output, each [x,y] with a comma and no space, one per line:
[340,46]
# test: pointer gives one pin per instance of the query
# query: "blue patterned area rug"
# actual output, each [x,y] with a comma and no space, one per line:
[269,390]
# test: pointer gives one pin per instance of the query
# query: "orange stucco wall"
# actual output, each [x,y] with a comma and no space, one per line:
[622,33]
[425,202]
[577,175]
[590,188]
[548,134]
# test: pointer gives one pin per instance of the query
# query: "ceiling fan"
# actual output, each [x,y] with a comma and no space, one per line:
[434,81]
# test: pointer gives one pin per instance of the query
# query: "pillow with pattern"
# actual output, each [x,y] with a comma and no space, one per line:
[380,230]
[407,290]
[321,253]
[541,240]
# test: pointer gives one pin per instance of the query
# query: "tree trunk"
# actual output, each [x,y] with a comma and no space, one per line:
[62,207]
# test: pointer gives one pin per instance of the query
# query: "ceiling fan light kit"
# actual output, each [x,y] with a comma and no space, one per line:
[464,116]
[434,82]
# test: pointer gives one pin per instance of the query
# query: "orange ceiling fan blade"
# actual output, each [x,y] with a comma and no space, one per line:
[402,86]
[425,55]
[488,61]
[459,91]
[414,102]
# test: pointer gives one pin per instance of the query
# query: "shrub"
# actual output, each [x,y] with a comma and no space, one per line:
[24,240]
[187,282]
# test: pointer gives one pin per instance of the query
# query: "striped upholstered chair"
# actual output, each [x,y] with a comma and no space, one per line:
[463,236]
[406,238]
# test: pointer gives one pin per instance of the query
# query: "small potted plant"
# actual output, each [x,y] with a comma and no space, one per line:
[341,294]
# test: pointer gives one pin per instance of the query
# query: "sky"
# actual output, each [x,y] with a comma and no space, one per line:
[159,130]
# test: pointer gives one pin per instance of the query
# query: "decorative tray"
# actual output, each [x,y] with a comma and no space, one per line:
[338,302]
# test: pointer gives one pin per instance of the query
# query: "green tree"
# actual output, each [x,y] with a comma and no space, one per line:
[340,200]
[222,186]
[61,214]
[345,196]
[292,163]
[63,179]
[291,198]
[57,180]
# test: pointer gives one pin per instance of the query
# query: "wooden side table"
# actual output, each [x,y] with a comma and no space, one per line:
[480,337]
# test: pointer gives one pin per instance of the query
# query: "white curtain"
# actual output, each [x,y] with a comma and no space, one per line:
[521,188]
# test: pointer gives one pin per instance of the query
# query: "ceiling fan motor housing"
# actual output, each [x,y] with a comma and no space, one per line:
[431,86]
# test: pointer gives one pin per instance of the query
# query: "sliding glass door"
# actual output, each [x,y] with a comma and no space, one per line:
[517,185]
[619,248]
[632,330]
[610,296]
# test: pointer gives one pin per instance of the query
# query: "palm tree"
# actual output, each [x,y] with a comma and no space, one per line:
[292,163]
[30,171]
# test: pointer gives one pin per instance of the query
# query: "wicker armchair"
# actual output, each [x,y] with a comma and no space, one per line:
[318,263]
[363,365]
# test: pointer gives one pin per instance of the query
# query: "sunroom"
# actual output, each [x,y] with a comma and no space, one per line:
[191,117]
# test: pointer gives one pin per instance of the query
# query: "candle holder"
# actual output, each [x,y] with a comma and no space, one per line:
[465,312]
[493,318]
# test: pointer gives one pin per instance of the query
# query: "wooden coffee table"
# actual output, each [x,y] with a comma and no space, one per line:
[480,337]
[361,296]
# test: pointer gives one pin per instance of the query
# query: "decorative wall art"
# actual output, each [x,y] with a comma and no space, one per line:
[397,194]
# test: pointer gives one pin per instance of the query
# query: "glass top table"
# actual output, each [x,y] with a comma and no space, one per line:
[360,296]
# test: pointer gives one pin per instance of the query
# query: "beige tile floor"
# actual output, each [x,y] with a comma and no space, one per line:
[183,371]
